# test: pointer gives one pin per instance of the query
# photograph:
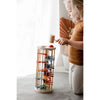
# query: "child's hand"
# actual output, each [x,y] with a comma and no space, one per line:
[62,41]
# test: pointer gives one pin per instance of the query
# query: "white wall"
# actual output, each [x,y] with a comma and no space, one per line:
[62,10]
[63,60]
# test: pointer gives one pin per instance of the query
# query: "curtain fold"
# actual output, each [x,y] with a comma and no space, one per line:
[36,20]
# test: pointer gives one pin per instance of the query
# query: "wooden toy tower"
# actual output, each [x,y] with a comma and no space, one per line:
[45,69]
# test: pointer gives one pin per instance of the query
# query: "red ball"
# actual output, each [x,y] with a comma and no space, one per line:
[45,70]
[51,46]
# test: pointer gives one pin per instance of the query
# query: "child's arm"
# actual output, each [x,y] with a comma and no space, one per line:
[75,44]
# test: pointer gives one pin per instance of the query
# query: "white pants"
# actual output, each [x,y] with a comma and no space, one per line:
[76,78]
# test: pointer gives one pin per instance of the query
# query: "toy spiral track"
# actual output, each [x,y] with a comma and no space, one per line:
[45,69]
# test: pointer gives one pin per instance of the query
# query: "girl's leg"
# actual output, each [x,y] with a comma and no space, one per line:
[70,74]
[76,78]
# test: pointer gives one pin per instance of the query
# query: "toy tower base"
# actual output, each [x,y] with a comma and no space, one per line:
[45,69]
[43,91]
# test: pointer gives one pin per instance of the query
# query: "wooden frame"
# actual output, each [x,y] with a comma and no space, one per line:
[45,69]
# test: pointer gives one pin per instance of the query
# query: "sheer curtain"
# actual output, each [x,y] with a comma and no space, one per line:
[36,20]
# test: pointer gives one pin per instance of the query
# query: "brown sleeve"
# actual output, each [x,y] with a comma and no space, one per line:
[65,27]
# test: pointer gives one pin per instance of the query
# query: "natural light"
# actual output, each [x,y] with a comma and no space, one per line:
[36,20]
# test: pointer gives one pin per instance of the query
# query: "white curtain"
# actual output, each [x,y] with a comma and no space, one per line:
[36,20]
